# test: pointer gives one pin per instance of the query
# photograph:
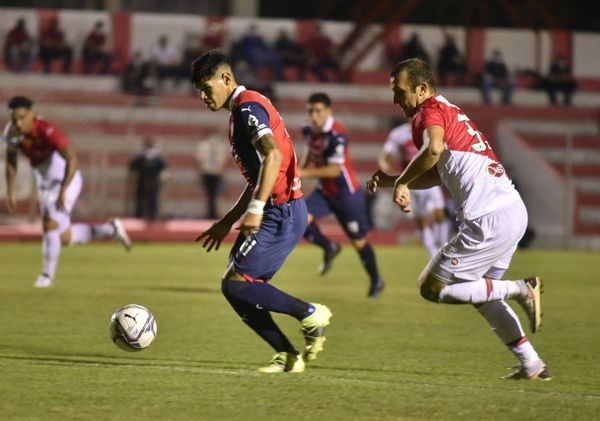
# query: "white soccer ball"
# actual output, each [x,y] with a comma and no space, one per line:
[132,328]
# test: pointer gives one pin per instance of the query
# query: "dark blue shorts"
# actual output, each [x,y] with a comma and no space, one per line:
[259,256]
[350,211]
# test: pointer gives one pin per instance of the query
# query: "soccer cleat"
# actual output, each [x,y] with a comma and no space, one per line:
[530,300]
[121,234]
[540,373]
[284,362]
[43,281]
[313,329]
[376,288]
[328,257]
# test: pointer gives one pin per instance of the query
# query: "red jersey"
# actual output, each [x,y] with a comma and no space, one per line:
[45,138]
[253,116]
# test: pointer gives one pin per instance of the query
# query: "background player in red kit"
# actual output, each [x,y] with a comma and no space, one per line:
[58,181]
[491,213]
[272,211]
[338,192]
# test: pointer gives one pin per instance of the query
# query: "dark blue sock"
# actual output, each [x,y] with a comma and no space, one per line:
[367,257]
[262,323]
[264,296]
[315,236]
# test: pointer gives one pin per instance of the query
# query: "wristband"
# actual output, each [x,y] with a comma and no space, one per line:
[256,207]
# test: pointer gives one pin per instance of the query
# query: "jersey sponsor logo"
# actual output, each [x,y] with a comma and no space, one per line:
[296,184]
[353,227]
[247,109]
[495,169]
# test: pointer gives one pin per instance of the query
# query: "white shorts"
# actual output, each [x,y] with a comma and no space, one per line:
[48,191]
[482,245]
[423,202]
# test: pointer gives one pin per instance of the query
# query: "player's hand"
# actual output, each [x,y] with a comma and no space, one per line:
[402,197]
[380,179]
[60,202]
[250,223]
[11,203]
[214,235]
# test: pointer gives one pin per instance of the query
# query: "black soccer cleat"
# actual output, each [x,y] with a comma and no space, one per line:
[376,288]
[328,257]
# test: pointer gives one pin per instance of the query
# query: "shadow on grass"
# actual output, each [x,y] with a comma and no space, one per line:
[197,290]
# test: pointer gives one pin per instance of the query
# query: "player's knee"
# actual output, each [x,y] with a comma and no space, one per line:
[310,219]
[359,244]
[65,237]
[49,224]
[430,288]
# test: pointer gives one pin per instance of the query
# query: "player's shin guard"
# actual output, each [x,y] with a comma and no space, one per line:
[51,246]
[314,235]
[264,296]
[478,292]
[262,323]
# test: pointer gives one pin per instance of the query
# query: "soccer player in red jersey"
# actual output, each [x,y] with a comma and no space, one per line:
[492,216]
[272,212]
[58,181]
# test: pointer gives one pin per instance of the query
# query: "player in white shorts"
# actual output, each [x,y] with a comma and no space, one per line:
[58,181]
[427,204]
[492,216]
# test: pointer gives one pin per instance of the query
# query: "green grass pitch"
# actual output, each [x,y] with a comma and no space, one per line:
[398,357]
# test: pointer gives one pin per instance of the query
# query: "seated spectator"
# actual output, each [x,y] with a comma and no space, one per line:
[167,61]
[137,79]
[292,53]
[258,54]
[94,51]
[53,47]
[18,48]
[560,79]
[414,49]
[322,55]
[496,75]
[451,62]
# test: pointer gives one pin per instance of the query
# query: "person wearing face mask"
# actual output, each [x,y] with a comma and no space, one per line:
[146,172]
[58,181]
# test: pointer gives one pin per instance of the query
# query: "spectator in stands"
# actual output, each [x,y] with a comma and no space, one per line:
[496,75]
[94,50]
[292,53]
[167,60]
[137,76]
[258,54]
[414,49]
[53,47]
[560,79]
[451,62]
[18,48]
[322,55]
[147,173]
[211,155]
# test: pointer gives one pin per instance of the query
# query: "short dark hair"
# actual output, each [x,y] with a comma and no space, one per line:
[320,97]
[205,66]
[417,71]
[19,102]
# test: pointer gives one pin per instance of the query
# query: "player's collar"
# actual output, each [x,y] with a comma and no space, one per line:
[234,96]
[328,125]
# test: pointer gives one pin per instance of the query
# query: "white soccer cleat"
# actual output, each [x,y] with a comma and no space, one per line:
[531,301]
[43,281]
[121,234]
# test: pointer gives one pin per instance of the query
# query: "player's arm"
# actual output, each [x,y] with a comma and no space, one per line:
[70,157]
[426,181]
[328,171]
[10,175]
[428,156]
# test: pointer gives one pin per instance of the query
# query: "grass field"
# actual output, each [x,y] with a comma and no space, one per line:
[398,357]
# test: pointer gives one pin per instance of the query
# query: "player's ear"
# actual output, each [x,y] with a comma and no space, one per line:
[227,77]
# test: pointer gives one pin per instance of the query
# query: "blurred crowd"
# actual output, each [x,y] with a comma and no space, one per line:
[257,62]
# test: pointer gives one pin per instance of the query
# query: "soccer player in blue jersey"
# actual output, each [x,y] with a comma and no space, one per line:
[272,212]
[338,191]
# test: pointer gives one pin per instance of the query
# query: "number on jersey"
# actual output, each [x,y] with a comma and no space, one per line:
[481,145]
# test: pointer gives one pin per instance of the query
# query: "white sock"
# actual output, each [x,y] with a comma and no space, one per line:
[441,231]
[503,321]
[527,356]
[51,251]
[84,233]
[478,292]
[428,241]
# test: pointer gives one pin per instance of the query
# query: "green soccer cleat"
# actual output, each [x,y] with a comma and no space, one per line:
[284,362]
[313,329]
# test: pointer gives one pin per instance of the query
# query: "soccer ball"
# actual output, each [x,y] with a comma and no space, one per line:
[132,328]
